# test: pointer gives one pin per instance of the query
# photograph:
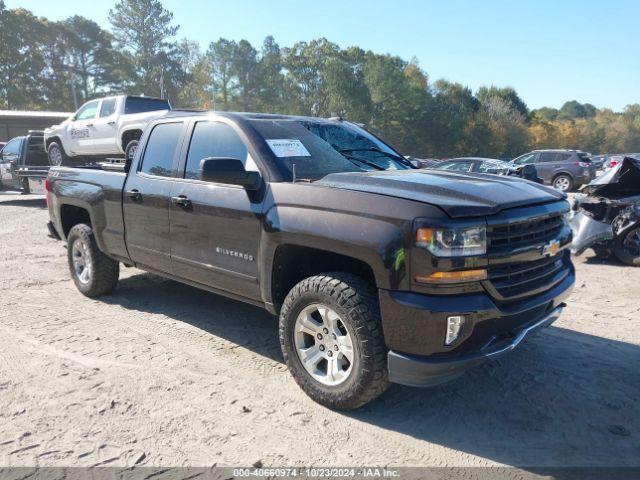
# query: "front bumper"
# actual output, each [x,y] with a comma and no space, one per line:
[417,371]
[414,328]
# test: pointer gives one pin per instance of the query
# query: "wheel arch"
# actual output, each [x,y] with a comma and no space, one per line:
[293,263]
[57,139]
[133,133]
[72,215]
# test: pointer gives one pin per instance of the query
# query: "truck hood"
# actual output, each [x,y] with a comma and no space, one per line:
[458,194]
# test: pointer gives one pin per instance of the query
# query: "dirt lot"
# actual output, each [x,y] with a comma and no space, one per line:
[163,374]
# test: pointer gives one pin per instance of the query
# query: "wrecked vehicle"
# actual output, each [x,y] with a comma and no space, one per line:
[607,214]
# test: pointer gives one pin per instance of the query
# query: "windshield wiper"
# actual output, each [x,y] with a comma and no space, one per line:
[353,158]
[362,160]
[399,158]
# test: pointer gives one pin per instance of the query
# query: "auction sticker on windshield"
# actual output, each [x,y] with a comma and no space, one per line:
[287,147]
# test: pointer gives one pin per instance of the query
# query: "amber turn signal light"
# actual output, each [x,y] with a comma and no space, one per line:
[454,277]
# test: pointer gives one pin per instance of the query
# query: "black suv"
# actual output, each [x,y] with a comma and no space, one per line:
[563,169]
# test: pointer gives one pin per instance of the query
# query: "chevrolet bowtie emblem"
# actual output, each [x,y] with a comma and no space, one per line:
[551,248]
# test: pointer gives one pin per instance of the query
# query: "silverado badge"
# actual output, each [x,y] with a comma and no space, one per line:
[551,248]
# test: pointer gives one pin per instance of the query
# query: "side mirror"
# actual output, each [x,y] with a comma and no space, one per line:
[228,170]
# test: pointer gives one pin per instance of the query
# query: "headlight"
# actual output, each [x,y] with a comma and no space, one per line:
[453,242]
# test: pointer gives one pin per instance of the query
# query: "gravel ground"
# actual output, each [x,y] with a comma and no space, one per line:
[162,374]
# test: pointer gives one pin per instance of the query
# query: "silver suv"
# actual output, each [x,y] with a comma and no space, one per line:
[563,169]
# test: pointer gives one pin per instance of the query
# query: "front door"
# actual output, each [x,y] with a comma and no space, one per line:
[216,228]
[147,196]
[81,131]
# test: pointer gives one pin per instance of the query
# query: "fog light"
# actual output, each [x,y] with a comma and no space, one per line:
[454,325]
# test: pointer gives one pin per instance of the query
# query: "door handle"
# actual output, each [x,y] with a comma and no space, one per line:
[181,200]
[89,124]
[112,122]
[135,195]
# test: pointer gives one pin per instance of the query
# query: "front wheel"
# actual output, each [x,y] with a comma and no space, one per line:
[92,271]
[626,246]
[55,154]
[332,342]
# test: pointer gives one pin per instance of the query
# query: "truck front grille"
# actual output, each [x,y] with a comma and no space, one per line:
[525,233]
[518,279]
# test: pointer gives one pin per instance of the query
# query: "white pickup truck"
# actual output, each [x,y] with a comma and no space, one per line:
[109,126]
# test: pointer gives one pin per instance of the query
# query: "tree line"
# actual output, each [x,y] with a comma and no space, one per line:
[47,65]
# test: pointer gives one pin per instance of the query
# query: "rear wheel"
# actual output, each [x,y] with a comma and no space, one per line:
[332,342]
[564,183]
[130,150]
[92,271]
[626,246]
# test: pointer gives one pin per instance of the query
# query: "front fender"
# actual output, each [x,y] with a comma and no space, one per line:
[379,243]
[587,232]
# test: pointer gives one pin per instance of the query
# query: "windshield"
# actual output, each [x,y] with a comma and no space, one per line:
[318,148]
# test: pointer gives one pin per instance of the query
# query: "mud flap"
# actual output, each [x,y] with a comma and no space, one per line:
[587,232]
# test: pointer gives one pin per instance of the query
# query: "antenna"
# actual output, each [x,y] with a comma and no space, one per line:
[294,173]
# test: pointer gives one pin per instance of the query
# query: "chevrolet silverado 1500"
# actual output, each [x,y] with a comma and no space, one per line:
[379,272]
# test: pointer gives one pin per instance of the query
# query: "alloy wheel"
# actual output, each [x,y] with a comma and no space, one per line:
[81,261]
[55,156]
[323,344]
[562,183]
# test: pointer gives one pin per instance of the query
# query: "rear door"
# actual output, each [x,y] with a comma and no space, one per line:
[104,128]
[546,164]
[215,236]
[147,196]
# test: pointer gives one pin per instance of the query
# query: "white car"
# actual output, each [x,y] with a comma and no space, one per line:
[110,126]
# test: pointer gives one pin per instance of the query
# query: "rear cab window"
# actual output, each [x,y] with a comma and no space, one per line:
[142,104]
[160,150]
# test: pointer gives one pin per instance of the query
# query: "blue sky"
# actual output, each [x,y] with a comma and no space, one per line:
[549,51]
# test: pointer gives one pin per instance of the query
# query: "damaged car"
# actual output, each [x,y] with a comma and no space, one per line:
[606,214]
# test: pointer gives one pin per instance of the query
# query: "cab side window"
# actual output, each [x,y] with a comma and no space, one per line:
[12,149]
[88,111]
[525,159]
[546,157]
[213,139]
[161,149]
[108,107]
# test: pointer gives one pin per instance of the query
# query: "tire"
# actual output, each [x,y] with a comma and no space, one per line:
[130,150]
[350,308]
[563,182]
[56,155]
[626,245]
[92,271]
[602,252]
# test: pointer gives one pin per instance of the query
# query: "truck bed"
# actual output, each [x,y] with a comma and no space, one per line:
[97,189]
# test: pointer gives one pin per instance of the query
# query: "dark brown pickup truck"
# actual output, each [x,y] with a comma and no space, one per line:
[379,272]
